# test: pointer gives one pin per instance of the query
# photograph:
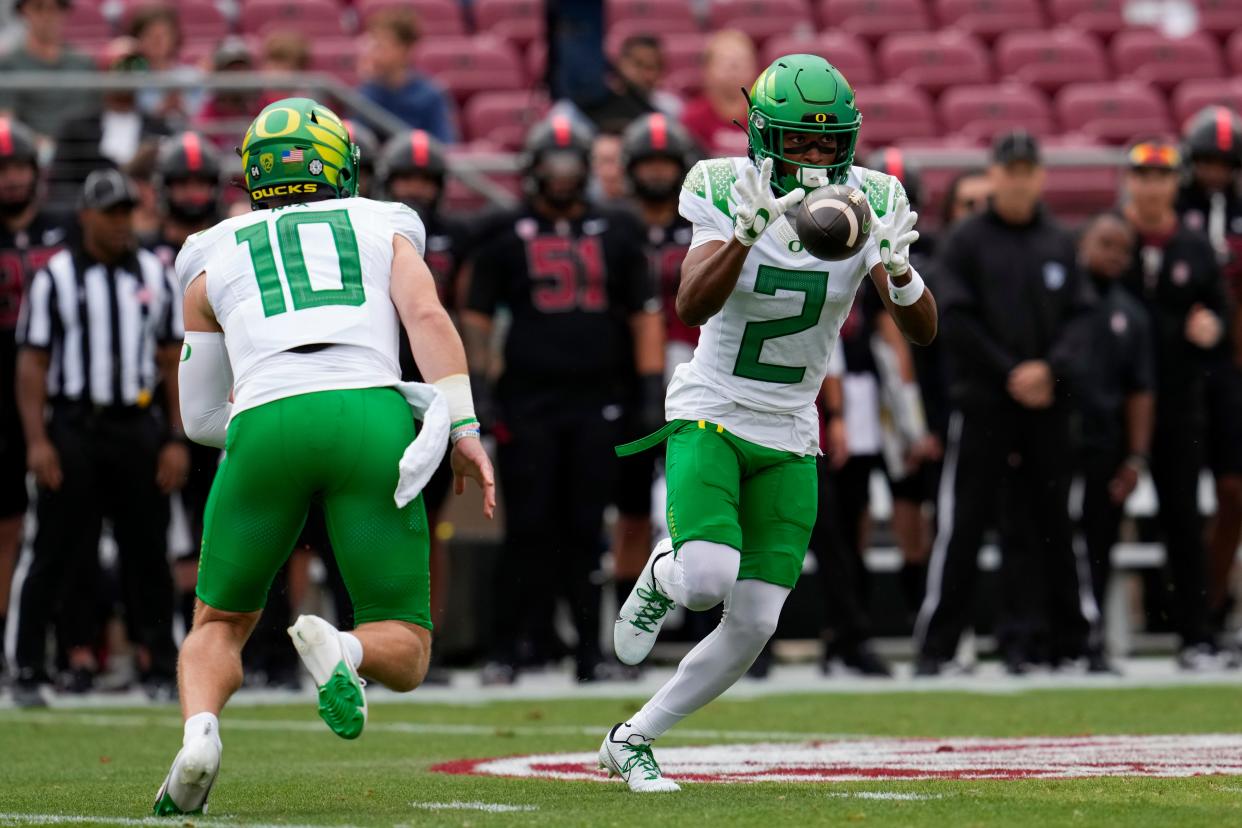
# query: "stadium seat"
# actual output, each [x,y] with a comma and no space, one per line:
[502,118]
[989,18]
[471,64]
[1050,59]
[518,21]
[874,19]
[618,11]
[1076,193]
[1219,17]
[1234,51]
[934,60]
[684,52]
[86,22]
[536,61]
[1112,112]
[893,112]
[684,83]
[1193,95]
[200,19]
[762,19]
[985,111]
[1165,61]
[1102,17]
[669,31]
[311,18]
[460,197]
[848,53]
[336,57]
[436,18]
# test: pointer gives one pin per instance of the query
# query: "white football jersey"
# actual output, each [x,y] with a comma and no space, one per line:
[307,274]
[761,360]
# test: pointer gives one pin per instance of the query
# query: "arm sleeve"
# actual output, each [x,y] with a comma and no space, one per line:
[963,332]
[407,224]
[205,379]
[191,261]
[37,319]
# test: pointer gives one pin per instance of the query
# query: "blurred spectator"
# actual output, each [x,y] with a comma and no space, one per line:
[29,235]
[107,138]
[631,84]
[45,50]
[369,149]
[223,108]
[157,30]
[1210,201]
[1116,405]
[1009,292]
[101,451]
[1176,277]
[584,325]
[141,171]
[967,194]
[607,174]
[392,84]
[729,67]
[285,53]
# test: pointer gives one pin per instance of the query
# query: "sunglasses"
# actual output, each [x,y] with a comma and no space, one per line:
[1154,155]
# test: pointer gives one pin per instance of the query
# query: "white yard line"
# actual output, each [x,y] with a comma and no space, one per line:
[489,807]
[165,822]
[885,795]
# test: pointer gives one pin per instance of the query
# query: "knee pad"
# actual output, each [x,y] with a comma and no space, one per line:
[709,573]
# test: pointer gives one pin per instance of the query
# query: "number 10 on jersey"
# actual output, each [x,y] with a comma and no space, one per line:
[293,259]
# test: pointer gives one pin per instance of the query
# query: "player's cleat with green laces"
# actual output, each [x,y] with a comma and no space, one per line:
[189,781]
[642,614]
[342,701]
[633,761]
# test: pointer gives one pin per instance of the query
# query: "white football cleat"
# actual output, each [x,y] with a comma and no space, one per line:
[193,772]
[642,614]
[633,761]
[342,701]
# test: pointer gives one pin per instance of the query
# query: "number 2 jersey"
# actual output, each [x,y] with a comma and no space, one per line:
[303,276]
[761,360]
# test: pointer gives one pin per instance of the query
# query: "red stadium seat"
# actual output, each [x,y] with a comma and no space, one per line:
[536,61]
[312,18]
[989,18]
[503,118]
[684,52]
[934,60]
[762,19]
[618,11]
[874,19]
[684,83]
[1092,16]
[1234,50]
[86,22]
[1112,112]
[894,112]
[1076,193]
[669,31]
[1220,17]
[985,111]
[458,196]
[1193,95]
[518,21]
[1165,61]
[436,18]
[848,53]
[336,57]
[200,19]
[1051,59]
[471,64]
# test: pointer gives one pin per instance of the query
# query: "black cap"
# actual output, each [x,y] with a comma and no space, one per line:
[105,189]
[1016,146]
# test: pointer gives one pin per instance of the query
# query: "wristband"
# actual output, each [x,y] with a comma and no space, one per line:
[462,433]
[908,293]
[456,391]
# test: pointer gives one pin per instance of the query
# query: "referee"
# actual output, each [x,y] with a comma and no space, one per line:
[99,328]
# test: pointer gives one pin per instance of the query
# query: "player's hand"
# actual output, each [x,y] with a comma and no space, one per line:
[838,446]
[173,467]
[923,450]
[1031,384]
[470,460]
[1123,483]
[893,236]
[42,459]
[1203,328]
[757,206]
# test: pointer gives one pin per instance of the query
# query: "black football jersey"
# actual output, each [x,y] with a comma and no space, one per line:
[444,254]
[666,250]
[21,255]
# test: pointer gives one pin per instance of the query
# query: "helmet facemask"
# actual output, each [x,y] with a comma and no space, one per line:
[767,140]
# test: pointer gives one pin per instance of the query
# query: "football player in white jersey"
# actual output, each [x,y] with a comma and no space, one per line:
[743,431]
[290,364]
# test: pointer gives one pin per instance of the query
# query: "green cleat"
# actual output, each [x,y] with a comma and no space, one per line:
[342,701]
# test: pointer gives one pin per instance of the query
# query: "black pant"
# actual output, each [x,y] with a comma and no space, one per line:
[843,499]
[1008,468]
[1101,518]
[557,473]
[108,461]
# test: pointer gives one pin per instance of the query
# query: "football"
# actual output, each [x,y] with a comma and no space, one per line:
[834,222]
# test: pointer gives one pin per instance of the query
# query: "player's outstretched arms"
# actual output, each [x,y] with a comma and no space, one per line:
[907,299]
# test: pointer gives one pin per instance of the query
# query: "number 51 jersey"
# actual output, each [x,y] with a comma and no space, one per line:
[761,360]
[304,275]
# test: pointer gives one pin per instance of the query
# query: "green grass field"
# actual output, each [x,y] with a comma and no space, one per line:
[281,766]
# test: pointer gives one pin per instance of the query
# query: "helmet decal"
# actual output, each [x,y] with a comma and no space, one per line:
[1224,129]
[193,151]
[419,147]
[659,132]
[6,137]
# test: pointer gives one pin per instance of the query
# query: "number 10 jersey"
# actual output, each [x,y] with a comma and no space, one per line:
[762,358]
[298,276]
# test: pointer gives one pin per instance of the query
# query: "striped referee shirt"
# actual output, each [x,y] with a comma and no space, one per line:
[102,325]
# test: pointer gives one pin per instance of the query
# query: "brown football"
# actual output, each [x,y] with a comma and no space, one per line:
[834,222]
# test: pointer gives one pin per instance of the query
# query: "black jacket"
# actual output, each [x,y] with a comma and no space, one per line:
[1120,357]
[1007,294]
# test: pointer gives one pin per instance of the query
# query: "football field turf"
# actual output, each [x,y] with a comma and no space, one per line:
[281,766]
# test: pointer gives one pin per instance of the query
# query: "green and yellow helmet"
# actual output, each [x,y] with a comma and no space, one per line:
[295,147]
[802,93]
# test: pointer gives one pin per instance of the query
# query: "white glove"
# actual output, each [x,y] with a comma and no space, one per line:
[894,237]
[757,207]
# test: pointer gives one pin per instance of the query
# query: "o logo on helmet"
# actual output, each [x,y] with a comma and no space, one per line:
[293,120]
[821,118]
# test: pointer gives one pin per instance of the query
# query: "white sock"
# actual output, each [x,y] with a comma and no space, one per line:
[199,725]
[353,648]
[717,662]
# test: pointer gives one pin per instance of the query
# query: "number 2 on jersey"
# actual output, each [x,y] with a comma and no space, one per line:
[294,261]
[768,281]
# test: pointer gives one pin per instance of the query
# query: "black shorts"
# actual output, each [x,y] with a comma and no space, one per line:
[13,496]
[1224,418]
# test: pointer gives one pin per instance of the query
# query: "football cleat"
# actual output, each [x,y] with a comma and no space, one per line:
[633,761]
[342,701]
[642,614]
[189,781]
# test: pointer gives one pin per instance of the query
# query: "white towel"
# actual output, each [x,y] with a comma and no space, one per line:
[423,456]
